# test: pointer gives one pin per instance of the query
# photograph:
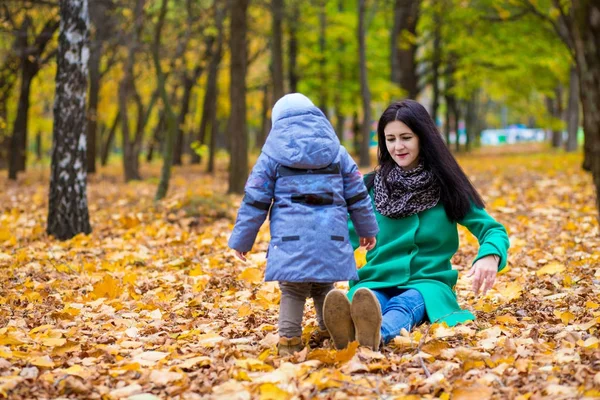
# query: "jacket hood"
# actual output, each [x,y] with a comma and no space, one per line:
[302,138]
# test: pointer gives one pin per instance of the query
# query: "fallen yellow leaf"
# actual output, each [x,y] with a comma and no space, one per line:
[475,392]
[251,275]
[270,391]
[108,287]
[42,361]
[550,269]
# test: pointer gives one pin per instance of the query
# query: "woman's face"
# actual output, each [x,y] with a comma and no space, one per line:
[402,144]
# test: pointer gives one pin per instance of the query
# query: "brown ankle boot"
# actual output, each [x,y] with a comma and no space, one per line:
[288,346]
[366,314]
[337,318]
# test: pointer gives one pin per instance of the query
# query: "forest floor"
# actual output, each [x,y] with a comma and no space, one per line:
[153,305]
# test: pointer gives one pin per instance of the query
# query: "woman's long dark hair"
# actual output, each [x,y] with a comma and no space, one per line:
[457,191]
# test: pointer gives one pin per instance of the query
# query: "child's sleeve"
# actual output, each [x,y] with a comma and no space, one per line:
[255,205]
[358,199]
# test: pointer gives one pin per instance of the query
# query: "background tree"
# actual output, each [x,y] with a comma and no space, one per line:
[33,46]
[127,91]
[364,86]
[277,48]
[238,128]
[404,46]
[67,210]
[103,22]
[171,128]
[208,122]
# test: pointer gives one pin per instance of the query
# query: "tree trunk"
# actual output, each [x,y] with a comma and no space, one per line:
[67,210]
[471,123]
[337,97]
[356,128]
[104,29]
[322,57]
[131,148]
[8,80]
[188,85]
[277,49]
[435,65]
[108,143]
[449,98]
[456,114]
[92,112]
[4,137]
[212,146]
[18,143]
[209,106]
[555,109]
[585,26]
[157,137]
[171,132]
[31,61]
[38,146]
[265,126]
[573,111]
[403,48]
[293,18]
[447,121]
[340,119]
[364,86]
[237,127]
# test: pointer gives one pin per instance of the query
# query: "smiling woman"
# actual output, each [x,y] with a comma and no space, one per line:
[420,193]
[402,144]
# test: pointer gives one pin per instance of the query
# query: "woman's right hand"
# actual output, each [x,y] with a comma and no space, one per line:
[368,242]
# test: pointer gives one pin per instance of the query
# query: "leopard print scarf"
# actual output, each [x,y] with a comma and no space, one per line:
[404,193]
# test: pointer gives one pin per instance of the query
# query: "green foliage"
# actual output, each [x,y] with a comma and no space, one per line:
[508,56]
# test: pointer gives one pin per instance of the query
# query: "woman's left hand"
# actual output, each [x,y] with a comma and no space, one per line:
[485,269]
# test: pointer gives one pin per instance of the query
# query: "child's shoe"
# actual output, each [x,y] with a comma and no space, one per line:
[366,314]
[288,346]
[337,318]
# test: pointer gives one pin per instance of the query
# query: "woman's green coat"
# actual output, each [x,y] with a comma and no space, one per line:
[415,252]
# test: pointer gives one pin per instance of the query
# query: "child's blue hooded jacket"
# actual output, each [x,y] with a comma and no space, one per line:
[308,183]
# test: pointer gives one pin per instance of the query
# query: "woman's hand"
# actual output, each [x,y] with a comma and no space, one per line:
[485,269]
[240,255]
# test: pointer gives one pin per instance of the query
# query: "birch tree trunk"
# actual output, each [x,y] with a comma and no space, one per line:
[68,210]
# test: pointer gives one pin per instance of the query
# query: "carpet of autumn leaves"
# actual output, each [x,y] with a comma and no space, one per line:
[153,305]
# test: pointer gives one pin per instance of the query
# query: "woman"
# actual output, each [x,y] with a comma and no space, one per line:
[420,193]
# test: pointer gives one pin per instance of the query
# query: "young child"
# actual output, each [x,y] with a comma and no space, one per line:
[308,183]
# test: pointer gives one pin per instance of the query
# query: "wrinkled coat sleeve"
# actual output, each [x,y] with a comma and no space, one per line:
[357,198]
[492,236]
[255,205]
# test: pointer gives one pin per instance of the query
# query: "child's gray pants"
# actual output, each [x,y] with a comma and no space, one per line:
[291,307]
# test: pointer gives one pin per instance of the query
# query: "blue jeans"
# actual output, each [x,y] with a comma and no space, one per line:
[400,309]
